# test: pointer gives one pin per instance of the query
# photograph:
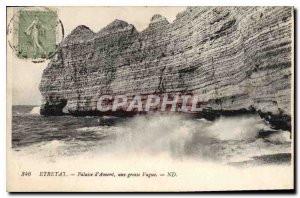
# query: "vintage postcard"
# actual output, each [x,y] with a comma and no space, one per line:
[150,99]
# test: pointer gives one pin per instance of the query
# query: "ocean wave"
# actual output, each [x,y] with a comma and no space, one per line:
[237,128]
[35,110]
[280,137]
[54,129]
[89,129]
[225,139]
[97,129]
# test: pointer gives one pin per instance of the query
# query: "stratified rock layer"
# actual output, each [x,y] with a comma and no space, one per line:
[232,58]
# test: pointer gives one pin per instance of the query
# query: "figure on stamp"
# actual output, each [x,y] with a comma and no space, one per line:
[34,30]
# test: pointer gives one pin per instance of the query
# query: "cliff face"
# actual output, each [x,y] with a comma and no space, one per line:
[232,58]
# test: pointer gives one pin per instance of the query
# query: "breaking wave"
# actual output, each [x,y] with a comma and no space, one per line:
[35,110]
[227,139]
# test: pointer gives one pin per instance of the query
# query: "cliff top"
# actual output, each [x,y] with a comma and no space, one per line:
[81,29]
[83,33]
[78,34]
[158,19]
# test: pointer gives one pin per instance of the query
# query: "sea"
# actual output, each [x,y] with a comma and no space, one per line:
[237,141]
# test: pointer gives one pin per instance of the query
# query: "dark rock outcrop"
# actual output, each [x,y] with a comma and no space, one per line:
[232,58]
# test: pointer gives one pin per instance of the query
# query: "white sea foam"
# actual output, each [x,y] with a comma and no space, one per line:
[35,110]
[104,128]
[88,129]
[54,129]
[280,137]
[159,130]
[179,137]
[237,128]
[161,144]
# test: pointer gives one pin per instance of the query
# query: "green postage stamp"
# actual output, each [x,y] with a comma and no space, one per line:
[37,33]
[34,32]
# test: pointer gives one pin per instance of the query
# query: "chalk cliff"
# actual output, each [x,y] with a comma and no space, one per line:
[232,58]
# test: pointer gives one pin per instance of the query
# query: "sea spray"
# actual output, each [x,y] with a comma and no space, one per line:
[182,137]
[35,110]
[223,140]
[237,128]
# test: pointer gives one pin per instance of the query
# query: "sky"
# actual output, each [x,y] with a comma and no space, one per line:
[25,75]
